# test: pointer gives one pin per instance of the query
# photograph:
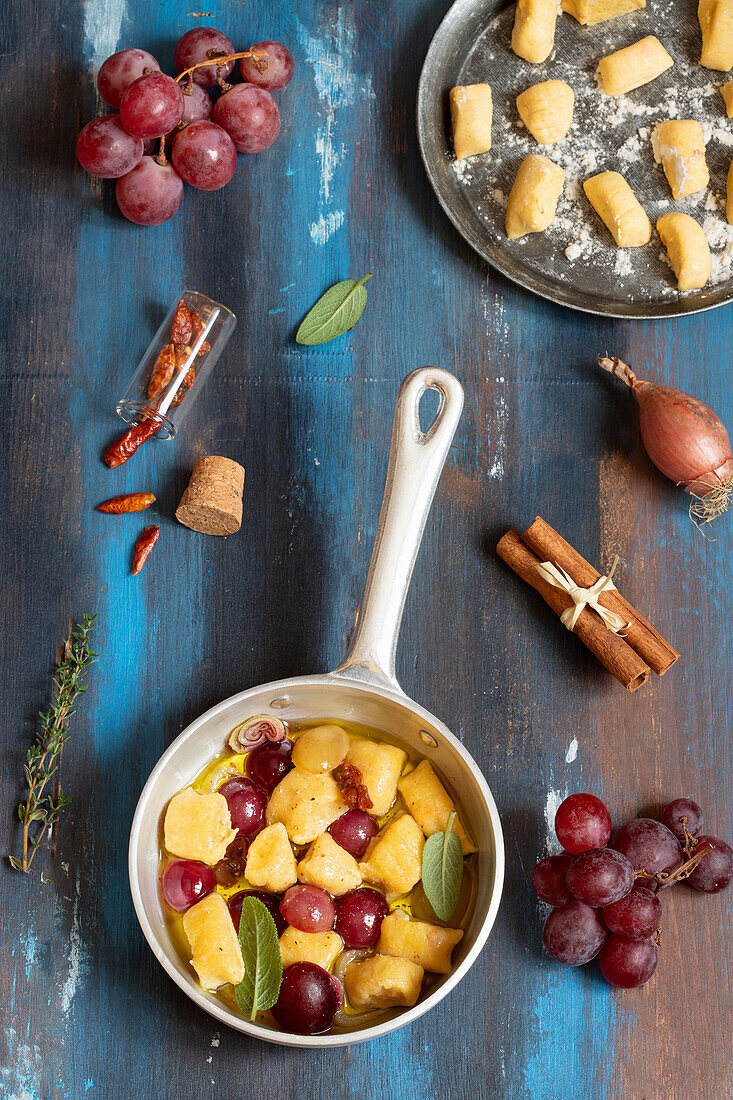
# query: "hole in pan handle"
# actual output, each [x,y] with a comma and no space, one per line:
[416,461]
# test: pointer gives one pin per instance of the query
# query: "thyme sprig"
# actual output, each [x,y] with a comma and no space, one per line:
[41,809]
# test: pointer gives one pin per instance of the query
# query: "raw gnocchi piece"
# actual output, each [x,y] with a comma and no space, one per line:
[682,149]
[471,115]
[634,65]
[716,24]
[533,198]
[321,948]
[380,765]
[546,109]
[533,35]
[428,945]
[328,865]
[687,248]
[216,954]
[430,804]
[306,804]
[726,90]
[597,11]
[618,208]
[383,981]
[729,196]
[270,860]
[198,826]
[393,860]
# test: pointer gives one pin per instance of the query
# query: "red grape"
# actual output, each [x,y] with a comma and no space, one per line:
[151,106]
[246,805]
[269,763]
[714,872]
[548,880]
[626,962]
[250,117]
[186,881]
[120,70]
[268,900]
[674,811]
[149,194]
[600,877]
[105,149]
[204,155]
[196,106]
[277,69]
[574,934]
[648,845]
[637,915]
[353,831]
[308,1000]
[359,917]
[308,908]
[582,822]
[193,47]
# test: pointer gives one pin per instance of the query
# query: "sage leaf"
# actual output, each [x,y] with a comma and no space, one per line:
[263,967]
[442,870]
[334,313]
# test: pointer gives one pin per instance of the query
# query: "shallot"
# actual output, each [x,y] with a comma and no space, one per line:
[684,439]
[255,732]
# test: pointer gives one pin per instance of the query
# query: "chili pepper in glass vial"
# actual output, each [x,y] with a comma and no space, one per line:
[177,363]
[125,447]
[145,543]
[128,502]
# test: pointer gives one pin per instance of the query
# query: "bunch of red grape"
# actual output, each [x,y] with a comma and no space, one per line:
[203,136]
[605,899]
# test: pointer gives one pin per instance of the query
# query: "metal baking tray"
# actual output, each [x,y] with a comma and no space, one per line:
[575,262]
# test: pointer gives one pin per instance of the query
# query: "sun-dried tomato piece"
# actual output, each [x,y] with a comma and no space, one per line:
[129,502]
[162,373]
[198,326]
[182,325]
[349,782]
[145,543]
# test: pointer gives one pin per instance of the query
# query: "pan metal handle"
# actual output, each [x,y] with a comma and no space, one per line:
[416,461]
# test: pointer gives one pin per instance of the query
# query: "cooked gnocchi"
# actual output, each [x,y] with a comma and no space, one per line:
[546,109]
[326,826]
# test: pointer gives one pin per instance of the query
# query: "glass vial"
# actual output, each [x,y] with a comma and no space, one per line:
[179,359]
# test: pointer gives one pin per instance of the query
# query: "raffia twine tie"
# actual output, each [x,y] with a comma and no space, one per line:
[582,597]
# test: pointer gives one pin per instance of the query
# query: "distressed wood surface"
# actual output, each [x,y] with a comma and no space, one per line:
[86,1009]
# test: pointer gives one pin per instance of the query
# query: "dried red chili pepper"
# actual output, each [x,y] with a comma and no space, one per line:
[143,546]
[163,370]
[182,325]
[198,327]
[129,502]
[349,782]
[125,447]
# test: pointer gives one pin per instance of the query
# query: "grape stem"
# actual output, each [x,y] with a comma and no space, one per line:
[666,878]
[223,59]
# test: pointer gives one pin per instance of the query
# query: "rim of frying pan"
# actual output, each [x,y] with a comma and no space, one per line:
[285,1038]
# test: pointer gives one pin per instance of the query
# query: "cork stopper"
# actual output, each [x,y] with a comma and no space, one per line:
[212,502]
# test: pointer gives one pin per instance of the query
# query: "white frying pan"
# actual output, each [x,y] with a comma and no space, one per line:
[363,689]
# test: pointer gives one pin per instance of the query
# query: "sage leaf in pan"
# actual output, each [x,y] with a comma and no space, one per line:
[334,313]
[263,967]
[442,870]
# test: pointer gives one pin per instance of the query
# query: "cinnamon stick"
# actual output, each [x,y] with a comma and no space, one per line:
[610,649]
[640,634]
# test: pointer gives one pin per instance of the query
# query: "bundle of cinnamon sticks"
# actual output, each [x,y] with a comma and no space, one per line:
[629,655]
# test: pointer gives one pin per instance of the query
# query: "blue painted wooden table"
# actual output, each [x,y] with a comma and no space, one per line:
[86,1009]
